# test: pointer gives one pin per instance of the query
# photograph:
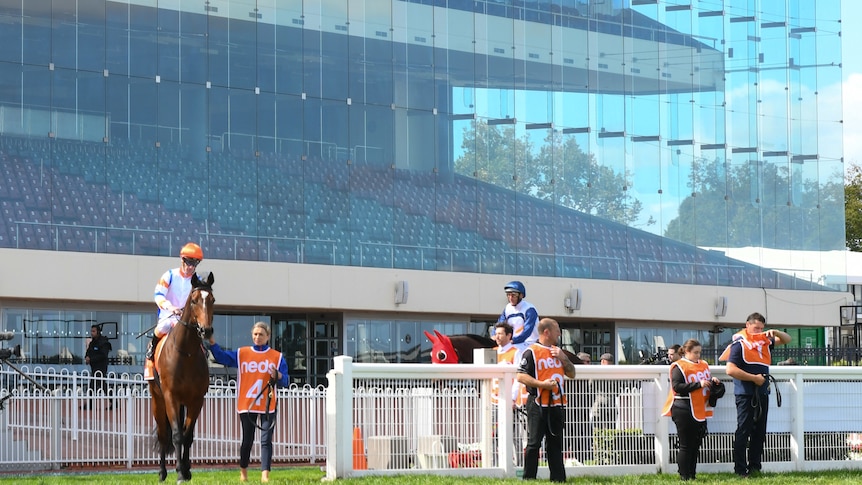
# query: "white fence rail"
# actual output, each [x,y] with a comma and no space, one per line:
[423,418]
[388,419]
[60,423]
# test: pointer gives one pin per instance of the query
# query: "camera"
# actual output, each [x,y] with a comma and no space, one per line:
[9,353]
[658,358]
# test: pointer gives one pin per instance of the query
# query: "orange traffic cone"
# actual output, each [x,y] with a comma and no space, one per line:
[359,460]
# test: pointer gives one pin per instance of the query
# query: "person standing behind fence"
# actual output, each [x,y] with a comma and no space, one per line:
[687,404]
[748,358]
[258,366]
[96,357]
[506,354]
[673,353]
[542,369]
[604,409]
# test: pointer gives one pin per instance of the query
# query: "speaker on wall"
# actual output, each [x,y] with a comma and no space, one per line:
[573,300]
[402,290]
[721,306]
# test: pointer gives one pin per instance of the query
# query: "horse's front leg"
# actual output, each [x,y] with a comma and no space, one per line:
[180,450]
[163,471]
[192,413]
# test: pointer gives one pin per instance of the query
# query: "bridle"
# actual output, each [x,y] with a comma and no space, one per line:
[202,332]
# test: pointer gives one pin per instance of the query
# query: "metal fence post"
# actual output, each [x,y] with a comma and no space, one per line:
[56,399]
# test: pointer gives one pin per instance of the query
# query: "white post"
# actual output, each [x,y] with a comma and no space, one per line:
[662,428]
[339,419]
[797,422]
[505,434]
[485,356]
[130,425]
[55,400]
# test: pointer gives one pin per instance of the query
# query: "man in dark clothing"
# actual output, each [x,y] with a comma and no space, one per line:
[748,358]
[97,358]
[542,370]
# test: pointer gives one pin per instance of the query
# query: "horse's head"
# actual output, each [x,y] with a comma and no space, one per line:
[199,307]
[442,351]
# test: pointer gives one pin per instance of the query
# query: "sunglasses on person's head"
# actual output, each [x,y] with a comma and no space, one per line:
[191,262]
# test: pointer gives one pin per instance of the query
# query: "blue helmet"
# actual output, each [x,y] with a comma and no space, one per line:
[514,286]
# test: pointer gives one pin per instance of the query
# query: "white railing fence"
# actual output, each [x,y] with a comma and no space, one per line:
[385,419]
[74,419]
[424,418]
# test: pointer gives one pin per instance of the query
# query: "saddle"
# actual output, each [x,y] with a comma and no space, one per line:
[151,367]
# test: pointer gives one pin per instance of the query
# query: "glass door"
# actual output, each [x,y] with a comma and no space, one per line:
[289,336]
[324,346]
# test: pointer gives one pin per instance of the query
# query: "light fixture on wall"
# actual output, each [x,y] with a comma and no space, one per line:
[721,306]
[572,301]
[402,290]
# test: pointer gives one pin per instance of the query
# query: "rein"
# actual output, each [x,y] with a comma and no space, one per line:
[269,389]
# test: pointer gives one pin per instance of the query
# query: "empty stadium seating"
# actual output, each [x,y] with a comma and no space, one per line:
[129,198]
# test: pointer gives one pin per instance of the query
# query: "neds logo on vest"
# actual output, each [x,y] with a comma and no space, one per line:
[262,366]
[548,363]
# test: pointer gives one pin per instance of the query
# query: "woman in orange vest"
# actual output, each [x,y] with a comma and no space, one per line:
[688,405]
[258,366]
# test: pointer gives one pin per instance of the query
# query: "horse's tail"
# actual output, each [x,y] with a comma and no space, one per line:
[157,444]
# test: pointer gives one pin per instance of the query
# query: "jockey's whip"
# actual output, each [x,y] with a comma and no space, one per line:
[147,331]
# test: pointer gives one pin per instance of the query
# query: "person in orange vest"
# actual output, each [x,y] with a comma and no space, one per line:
[258,366]
[543,368]
[688,404]
[506,355]
[748,358]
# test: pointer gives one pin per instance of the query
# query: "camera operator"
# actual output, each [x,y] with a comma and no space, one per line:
[673,353]
[7,353]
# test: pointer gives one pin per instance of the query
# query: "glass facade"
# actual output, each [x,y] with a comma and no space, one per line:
[569,138]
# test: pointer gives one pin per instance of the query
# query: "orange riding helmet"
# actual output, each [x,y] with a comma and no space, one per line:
[192,250]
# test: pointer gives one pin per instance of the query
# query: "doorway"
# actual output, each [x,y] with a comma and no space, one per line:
[308,343]
[325,346]
[290,338]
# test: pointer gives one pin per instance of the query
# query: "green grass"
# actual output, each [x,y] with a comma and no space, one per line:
[313,475]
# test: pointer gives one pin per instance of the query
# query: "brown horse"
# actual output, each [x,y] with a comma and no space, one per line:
[183,379]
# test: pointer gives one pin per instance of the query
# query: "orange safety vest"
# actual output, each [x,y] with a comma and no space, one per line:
[253,375]
[692,372]
[505,356]
[755,348]
[547,367]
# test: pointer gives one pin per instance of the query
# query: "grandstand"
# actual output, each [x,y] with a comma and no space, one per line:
[311,149]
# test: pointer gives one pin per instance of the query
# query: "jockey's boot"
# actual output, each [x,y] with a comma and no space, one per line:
[149,364]
[151,350]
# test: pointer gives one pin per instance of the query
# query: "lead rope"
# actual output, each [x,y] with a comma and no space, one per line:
[269,389]
[755,400]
